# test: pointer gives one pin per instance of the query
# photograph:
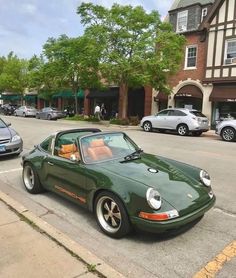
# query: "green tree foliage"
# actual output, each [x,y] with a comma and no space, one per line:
[13,74]
[137,48]
[73,62]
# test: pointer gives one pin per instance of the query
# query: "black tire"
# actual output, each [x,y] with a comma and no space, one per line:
[182,129]
[15,114]
[37,116]
[197,133]
[228,134]
[108,205]
[147,126]
[31,180]
[49,117]
[24,115]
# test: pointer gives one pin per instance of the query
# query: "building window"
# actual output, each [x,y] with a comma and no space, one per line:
[182,20]
[204,13]
[191,57]
[230,57]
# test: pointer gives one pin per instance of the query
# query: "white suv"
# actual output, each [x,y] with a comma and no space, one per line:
[181,120]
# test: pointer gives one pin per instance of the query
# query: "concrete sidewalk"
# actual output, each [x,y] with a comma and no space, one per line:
[25,252]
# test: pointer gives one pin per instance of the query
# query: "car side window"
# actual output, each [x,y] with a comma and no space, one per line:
[66,146]
[163,113]
[176,113]
[46,145]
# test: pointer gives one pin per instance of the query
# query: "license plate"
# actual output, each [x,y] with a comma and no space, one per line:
[2,148]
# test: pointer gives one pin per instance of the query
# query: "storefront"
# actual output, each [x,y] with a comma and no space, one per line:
[189,97]
[108,98]
[223,98]
[162,101]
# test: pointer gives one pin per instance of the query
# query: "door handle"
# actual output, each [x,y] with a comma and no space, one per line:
[50,163]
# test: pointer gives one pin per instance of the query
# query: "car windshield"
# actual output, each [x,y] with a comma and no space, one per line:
[2,124]
[198,114]
[103,147]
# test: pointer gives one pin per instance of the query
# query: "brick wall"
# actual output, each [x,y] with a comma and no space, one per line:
[195,74]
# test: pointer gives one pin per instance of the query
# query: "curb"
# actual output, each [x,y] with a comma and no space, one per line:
[70,245]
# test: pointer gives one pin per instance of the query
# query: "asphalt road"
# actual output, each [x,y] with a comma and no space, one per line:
[140,254]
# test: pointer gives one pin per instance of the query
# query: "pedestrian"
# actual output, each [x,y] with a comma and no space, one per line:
[103,111]
[97,112]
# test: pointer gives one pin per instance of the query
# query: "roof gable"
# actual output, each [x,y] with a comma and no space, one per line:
[178,4]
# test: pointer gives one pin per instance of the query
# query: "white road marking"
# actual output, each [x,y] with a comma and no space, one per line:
[9,171]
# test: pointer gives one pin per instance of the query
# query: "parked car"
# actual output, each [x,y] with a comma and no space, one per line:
[50,113]
[182,120]
[10,141]
[227,130]
[107,173]
[8,109]
[25,111]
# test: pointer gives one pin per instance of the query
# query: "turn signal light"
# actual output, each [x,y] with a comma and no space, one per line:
[159,216]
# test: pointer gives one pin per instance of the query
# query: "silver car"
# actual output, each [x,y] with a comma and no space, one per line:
[25,111]
[227,130]
[50,113]
[10,141]
[182,120]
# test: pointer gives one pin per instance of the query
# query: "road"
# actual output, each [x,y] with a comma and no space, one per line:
[140,254]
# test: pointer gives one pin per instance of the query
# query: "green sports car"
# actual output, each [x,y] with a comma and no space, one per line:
[110,175]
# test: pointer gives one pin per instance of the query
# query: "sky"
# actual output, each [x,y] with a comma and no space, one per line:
[25,25]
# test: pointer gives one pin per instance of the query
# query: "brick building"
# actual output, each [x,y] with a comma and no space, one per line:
[207,77]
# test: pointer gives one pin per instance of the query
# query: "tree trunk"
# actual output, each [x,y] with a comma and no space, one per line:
[124,100]
[74,90]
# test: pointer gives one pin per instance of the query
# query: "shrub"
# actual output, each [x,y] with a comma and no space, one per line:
[134,120]
[119,121]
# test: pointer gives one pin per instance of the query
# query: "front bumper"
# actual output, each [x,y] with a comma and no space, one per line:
[12,148]
[173,224]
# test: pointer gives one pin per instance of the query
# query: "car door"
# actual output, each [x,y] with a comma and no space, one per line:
[160,121]
[65,176]
[173,119]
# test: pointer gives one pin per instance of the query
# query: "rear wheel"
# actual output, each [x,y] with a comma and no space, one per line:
[24,115]
[182,129]
[49,117]
[147,126]
[228,134]
[111,215]
[31,180]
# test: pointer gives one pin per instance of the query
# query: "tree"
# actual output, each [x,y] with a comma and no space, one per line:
[74,62]
[13,74]
[137,48]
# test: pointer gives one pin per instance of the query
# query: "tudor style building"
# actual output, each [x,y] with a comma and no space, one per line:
[207,78]
[220,73]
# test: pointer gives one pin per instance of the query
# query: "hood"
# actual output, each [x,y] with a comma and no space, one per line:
[5,133]
[176,187]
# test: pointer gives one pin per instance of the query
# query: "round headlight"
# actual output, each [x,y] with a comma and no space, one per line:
[205,178]
[153,198]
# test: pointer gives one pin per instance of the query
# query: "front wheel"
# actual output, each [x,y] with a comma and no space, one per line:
[49,117]
[111,215]
[228,134]
[182,129]
[31,180]
[147,126]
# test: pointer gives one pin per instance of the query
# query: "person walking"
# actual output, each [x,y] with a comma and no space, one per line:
[103,111]
[97,112]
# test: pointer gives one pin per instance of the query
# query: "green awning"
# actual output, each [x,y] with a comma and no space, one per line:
[30,97]
[11,97]
[69,94]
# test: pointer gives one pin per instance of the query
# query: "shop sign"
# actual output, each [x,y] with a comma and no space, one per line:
[183,95]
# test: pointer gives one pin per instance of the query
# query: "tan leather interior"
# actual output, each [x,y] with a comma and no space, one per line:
[67,150]
[97,150]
